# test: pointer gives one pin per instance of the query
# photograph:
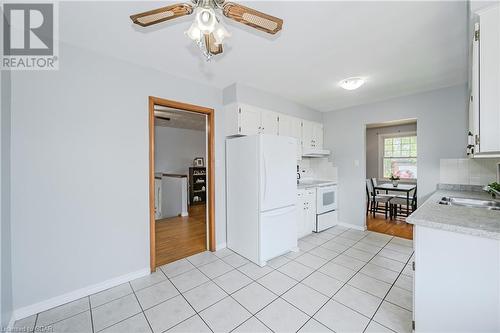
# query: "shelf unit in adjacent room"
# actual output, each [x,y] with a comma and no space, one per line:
[197,185]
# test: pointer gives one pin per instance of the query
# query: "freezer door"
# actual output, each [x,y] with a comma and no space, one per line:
[278,180]
[278,232]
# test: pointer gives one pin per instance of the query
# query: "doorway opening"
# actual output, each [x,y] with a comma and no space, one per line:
[181,180]
[391,176]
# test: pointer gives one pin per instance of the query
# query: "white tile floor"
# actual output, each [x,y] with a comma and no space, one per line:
[342,280]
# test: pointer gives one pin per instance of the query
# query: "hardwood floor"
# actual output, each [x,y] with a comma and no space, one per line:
[390,227]
[180,237]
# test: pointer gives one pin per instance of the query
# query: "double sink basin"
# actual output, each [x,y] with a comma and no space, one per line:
[474,203]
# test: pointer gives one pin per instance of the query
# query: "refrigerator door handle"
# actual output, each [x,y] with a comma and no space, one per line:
[280,211]
[265,177]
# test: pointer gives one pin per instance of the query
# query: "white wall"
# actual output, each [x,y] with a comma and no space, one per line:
[442,133]
[80,178]
[372,145]
[176,148]
[5,225]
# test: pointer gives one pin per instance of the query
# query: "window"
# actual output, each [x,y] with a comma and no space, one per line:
[399,156]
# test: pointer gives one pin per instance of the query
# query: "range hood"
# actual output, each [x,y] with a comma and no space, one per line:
[315,152]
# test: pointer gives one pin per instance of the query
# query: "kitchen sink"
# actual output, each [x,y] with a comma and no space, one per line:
[466,202]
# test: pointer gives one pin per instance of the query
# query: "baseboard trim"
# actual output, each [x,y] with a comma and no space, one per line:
[76,294]
[11,323]
[352,226]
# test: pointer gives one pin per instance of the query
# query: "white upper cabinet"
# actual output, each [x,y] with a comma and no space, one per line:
[292,127]
[249,120]
[485,110]
[312,134]
[269,122]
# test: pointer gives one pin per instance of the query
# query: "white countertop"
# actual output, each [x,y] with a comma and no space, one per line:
[310,183]
[466,220]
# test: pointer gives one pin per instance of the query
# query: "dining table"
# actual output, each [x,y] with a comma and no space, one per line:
[406,188]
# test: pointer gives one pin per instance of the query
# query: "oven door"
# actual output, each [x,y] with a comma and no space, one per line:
[326,199]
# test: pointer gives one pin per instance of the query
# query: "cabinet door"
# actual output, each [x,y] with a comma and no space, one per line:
[249,120]
[269,122]
[311,210]
[489,80]
[292,127]
[317,136]
[307,134]
[301,214]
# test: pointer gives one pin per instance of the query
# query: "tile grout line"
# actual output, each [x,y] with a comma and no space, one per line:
[91,316]
[140,305]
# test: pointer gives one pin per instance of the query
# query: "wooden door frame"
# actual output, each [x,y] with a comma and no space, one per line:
[210,170]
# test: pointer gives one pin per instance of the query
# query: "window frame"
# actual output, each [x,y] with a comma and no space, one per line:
[381,138]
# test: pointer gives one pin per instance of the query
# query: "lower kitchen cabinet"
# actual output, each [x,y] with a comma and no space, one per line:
[306,212]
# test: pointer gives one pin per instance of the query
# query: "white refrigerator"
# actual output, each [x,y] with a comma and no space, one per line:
[261,192]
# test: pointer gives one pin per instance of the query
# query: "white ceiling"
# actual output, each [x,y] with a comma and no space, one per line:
[179,119]
[400,47]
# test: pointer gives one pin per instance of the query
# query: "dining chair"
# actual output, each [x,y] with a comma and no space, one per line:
[399,201]
[374,199]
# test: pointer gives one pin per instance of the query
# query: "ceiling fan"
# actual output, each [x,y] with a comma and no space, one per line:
[207,30]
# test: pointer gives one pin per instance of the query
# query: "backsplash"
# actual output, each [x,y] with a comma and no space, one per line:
[317,168]
[468,171]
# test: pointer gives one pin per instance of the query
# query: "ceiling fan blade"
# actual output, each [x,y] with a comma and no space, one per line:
[161,14]
[253,18]
[211,46]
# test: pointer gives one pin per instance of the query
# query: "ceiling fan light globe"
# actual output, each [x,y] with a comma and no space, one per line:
[220,33]
[206,20]
[194,33]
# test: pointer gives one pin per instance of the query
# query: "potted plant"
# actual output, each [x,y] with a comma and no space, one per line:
[395,180]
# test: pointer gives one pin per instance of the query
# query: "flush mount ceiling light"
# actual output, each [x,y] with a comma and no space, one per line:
[207,30]
[352,83]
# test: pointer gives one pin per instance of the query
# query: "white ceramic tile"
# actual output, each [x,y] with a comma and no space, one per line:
[405,282]
[310,260]
[148,280]
[189,280]
[323,283]
[324,253]
[394,255]
[62,312]
[295,270]
[192,325]
[340,318]
[336,230]
[359,254]
[324,235]
[401,297]
[110,294]
[278,261]
[379,273]
[391,264]
[334,246]
[358,300]
[202,258]
[26,324]
[205,295]
[354,234]
[314,326]
[252,325]
[399,248]
[375,327]
[215,269]
[280,316]
[136,324]
[294,254]
[225,315]
[337,271]
[254,271]
[156,294]
[305,298]
[115,311]
[177,267]
[235,260]
[277,282]
[80,323]
[223,252]
[168,314]
[402,241]
[313,239]
[349,262]
[232,281]
[254,297]
[370,285]
[305,246]
[408,270]
[394,317]
[367,247]
[344,241]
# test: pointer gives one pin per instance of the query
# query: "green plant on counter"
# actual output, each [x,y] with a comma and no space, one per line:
[495,186]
